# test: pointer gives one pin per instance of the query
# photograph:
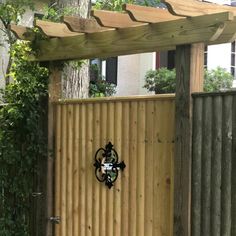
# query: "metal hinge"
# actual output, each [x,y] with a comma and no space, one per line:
[55,219]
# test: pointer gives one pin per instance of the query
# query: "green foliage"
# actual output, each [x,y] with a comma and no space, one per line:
[21,141]
[160,81]
[217,79]
[163,80]
[116,5]
[99,87]
[55,13]
[113,5]
[11,11]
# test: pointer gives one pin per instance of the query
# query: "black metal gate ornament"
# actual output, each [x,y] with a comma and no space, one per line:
[107,166]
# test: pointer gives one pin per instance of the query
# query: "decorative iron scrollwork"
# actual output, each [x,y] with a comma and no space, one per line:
[107,166]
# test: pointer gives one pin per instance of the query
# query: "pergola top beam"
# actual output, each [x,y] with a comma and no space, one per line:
[156,36]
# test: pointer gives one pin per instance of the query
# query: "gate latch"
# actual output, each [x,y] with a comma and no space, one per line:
[55,219]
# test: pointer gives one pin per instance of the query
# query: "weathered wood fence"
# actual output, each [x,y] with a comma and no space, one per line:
[214,165]
[141,202]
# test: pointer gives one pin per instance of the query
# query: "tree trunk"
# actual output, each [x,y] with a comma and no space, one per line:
[75,79]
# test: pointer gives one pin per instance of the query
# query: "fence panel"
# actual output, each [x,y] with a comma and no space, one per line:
[141,201]
[213,164]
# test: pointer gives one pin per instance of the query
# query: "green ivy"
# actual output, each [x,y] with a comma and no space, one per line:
[21,141]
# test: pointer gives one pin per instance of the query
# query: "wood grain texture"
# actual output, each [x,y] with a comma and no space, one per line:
[206,166]
[228,34]
[148,14]
[182,164]
[134,127]
[196,168]
[213,178]
[22,32]
[114,19]
[195,8]
[52,29]
[189,71]
[197,67]
[226,165]
[82,25]
[157,36]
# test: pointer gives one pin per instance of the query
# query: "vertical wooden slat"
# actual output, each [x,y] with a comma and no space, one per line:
[233,177]
[58,172]
[158,185]
[162,168]
[226,166]
[82,176]
[117,187]
[171,151]
[97,221]
[197,167]
[89,170]
[125,213]
[141,168]
[64,172]
[76,163]
[103,190]
[133,169]
[216,167]
[69,159]
[206,165]
[149,169]
[110,193]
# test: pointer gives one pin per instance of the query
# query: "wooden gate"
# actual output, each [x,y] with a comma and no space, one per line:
[141,202]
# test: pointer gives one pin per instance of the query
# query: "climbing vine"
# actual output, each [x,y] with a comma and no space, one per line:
[22,143]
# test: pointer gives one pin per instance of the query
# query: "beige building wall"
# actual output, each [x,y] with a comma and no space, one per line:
[131,73]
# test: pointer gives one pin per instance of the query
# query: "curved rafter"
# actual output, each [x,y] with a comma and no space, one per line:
[82,25]
[22,32]
[114,19]
[195,8]
[52,29]
[149,14]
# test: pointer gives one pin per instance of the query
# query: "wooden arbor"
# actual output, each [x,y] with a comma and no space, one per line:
[141,29]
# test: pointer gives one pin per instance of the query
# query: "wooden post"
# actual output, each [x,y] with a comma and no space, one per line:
[189,78]
[54,92]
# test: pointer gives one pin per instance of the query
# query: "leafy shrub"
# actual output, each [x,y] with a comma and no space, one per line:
[217,79]
[160,81]
[163,80]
